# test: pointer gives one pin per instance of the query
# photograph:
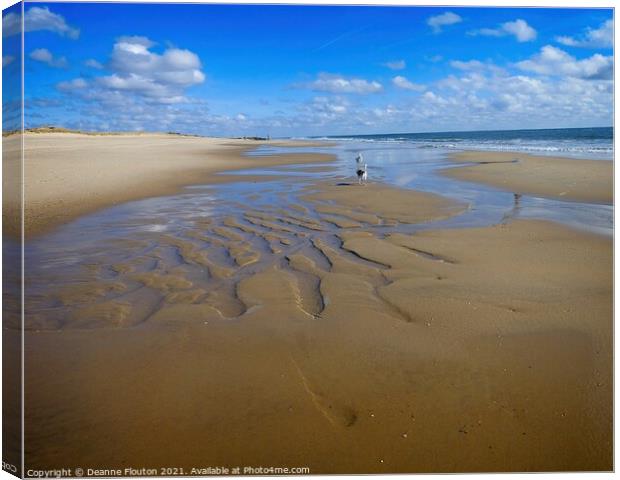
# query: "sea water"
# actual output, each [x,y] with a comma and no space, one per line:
[593,143]
[411,163]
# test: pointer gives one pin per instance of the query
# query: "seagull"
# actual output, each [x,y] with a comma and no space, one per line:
[362,169]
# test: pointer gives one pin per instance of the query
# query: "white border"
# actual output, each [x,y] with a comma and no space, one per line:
[457,3]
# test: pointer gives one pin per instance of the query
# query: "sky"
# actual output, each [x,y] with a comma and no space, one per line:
[232,70]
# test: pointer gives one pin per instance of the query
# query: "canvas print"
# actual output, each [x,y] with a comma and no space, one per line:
[306,239]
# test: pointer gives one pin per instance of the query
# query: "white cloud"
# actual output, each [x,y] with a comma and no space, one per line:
[135,93]
[602,37]
[475,66]
[386,113]
[327,82]
[320,109]
[43,55]
[144,90]
[519,28]
[72,85]
[137,71]
[140,40]
[38,18]
[402,82]
[7,60]
[11,24]
[396,65]
[324,111]
[136,65]
[133,83]
[494,98]
[92,63]
[467,65]
[437,22]
[556,62]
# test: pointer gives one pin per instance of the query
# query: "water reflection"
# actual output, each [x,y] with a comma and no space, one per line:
[165,237]
[400,164]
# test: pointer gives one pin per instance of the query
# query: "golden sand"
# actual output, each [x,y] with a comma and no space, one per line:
[70,174]
[565,179]
[315,333]
[346,351]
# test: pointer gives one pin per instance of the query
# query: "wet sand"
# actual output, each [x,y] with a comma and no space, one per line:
[395,204]
[320,333]
[70,174]
[11,308]
[303,324]
[551,177]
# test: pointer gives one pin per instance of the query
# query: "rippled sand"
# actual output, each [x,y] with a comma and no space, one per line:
[212,261]
[304,322]
[321,332]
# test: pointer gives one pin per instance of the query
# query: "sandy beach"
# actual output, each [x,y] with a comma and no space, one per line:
[306,323]
[552,177]
[70,174]
[289,239]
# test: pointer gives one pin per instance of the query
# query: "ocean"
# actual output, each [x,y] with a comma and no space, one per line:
[596,143]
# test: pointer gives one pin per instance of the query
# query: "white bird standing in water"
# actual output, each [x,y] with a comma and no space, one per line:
[362,169]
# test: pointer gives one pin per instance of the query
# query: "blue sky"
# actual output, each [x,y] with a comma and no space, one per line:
[304,70]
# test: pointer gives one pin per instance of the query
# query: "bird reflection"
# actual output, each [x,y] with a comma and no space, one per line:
[516,207]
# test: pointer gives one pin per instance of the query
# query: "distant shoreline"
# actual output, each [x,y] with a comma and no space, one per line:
[52,129]
[72,174]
